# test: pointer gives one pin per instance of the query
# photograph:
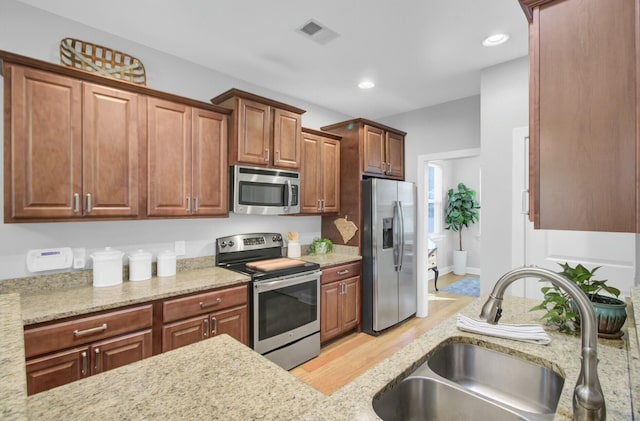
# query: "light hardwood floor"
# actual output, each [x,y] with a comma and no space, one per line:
[346,358]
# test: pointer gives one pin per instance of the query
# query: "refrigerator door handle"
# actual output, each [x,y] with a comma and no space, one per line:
[396,239]
[401,236]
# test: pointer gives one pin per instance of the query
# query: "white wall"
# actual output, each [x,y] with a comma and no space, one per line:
[440,128]
[504,91]
[34,33]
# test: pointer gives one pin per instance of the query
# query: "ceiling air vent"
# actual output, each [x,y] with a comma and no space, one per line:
[317,32]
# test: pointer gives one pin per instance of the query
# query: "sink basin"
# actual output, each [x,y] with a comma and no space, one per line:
[461,378]
[430,399]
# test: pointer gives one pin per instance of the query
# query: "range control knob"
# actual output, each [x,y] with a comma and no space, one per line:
[277,237]
[231,243]
[223,244]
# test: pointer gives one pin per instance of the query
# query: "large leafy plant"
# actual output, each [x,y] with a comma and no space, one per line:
[558,304]
[462,210]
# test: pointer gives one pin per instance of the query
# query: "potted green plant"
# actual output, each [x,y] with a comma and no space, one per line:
[320,246]
[462,211]
[562,313]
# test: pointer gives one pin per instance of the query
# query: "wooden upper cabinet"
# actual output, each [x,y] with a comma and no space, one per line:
[80,146]
[209,162]
[373,151]
[394,151]
[111,139]
[169,158]
[320,172]
[584,94]
[187,166]
[264,132]
[44,144]
[73,148]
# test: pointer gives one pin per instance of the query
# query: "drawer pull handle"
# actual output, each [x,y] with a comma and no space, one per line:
[342,272]
[77,333]
[97,366]
[211,304]
[84,363]
[214,331]
[206,328]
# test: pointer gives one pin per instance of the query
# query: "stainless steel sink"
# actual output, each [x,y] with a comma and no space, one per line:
[468,382]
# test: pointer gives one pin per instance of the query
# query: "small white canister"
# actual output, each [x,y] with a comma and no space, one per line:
[139,265]
[293,249]
[166,263]
[107,267]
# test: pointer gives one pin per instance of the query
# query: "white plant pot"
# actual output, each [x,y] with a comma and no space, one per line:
[460,262]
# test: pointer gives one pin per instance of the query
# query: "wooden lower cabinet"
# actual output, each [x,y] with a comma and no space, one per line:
[49,371]
[340,302]
[200,316]
[233,322]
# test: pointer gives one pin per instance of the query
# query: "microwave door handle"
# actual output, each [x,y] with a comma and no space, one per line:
[288,194]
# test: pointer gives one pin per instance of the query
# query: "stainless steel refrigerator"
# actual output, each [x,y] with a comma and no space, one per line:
[388,253]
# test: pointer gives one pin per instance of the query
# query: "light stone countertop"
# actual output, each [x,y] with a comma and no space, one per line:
[60,303]
[331,259]
[13,380]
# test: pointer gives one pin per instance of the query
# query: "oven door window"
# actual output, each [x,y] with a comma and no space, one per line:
[287,308]
[261,194]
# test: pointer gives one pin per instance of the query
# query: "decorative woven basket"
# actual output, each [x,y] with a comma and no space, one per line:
[91,57]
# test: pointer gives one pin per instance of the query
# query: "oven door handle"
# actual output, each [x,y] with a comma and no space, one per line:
[283,283]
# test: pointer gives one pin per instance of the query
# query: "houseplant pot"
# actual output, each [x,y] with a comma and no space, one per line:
[563,313]
[459,262]
[462,211]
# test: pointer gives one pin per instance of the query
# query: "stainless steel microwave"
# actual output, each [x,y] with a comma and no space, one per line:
[264,191]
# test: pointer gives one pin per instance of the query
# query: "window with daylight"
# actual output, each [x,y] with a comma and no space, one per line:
[434,200]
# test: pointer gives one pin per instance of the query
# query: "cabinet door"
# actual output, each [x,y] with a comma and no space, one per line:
[351,303]
[330,309]
[253,132]
[287,132]
[110,151]
[234,322]
[169,158]
[210,171]
[44,146]
[311,174]
[54,370]
[373,151]
[330,170]
[584,138]
[185,332]
[122,350]
[395,155]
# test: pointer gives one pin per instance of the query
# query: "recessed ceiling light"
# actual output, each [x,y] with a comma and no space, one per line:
[495,39]
[366,84]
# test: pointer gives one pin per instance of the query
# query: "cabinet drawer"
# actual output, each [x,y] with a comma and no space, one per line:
[336,273]
[181,308]
[41,340]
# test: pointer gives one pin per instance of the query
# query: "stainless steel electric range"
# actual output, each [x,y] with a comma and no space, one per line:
[285,296]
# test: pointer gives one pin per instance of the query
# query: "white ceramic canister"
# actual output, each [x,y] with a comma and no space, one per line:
[166,263]
[293,249]
[139,265]
[107,267]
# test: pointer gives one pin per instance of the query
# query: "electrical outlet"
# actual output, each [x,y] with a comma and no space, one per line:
[79,258]
[180,248]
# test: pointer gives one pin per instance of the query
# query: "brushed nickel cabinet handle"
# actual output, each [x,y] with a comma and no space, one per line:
[84,363]
[97,357]
[342,272]
[214,331]
[206,328]
[211,304]
[76,203]
[89,204]
[196,204]
[389,167]
[277,156]
[268,154]
[77,333]
[188,204]
[384,167]
[319,204]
